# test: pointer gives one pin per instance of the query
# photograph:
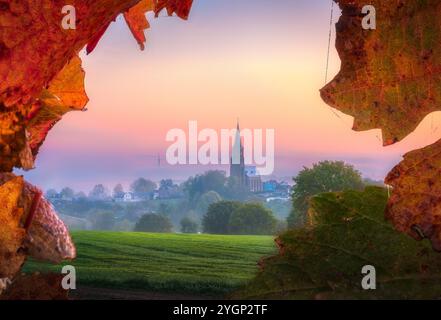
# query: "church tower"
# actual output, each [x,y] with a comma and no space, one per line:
[237,163]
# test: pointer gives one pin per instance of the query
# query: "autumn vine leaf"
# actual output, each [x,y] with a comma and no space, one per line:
[415,204]
[40,80]
[137,21]
[29,226]
[91,45]
[36,287]
[11,233]
[65,93]
[34,49]
[35,46]
[180,7]
[390,78]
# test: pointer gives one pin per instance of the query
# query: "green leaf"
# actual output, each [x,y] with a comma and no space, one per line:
[324,259]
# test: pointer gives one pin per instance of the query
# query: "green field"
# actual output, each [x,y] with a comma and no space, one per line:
[202,264]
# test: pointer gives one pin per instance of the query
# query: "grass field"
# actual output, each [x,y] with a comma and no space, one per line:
[202,264]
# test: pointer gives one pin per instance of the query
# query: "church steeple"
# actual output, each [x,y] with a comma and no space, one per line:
[237,165]
[237,147]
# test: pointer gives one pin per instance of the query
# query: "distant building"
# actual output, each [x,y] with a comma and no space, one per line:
[284,188]
[270,186]
[143,196]
[253,180]
[128,196]
[277,198]
[124,197]
[246,175]
[255,184]
[250,171]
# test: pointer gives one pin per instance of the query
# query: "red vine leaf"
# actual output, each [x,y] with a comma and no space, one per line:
[137,21]
[65,93]
[180,7]
[415,204]
[11,232]
[390,78]
[34,49]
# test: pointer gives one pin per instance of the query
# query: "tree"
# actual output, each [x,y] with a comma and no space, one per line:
[118,191]
[189,225]
[165,208]
[217,218]
[209,181]
[124,225]
[51,193]
[326,176]
[104,220]
[142,185]
[280,208]
[80,195]
[166,183]
[99,192]
[153,222]
[236,190]
[281,226]
[205,200]
[67,193]
[372,182]
[252,219]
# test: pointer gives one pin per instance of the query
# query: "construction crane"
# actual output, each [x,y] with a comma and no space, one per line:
[156,157]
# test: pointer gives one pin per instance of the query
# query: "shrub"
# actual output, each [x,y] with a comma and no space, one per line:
[153,222]
[217,218]
[188,225]
[252,219]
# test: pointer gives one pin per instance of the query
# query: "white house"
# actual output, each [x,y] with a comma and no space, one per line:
[128,197]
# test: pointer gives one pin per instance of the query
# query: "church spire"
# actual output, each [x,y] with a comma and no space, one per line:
[237,166]
[237,154]
[237,140]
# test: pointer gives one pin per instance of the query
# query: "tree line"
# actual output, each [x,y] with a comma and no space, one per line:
[208,207]
[223,217]
[100,191]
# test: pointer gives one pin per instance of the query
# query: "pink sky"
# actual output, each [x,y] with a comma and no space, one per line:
[259,62]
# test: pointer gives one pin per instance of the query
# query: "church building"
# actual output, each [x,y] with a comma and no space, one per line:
[246,175]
